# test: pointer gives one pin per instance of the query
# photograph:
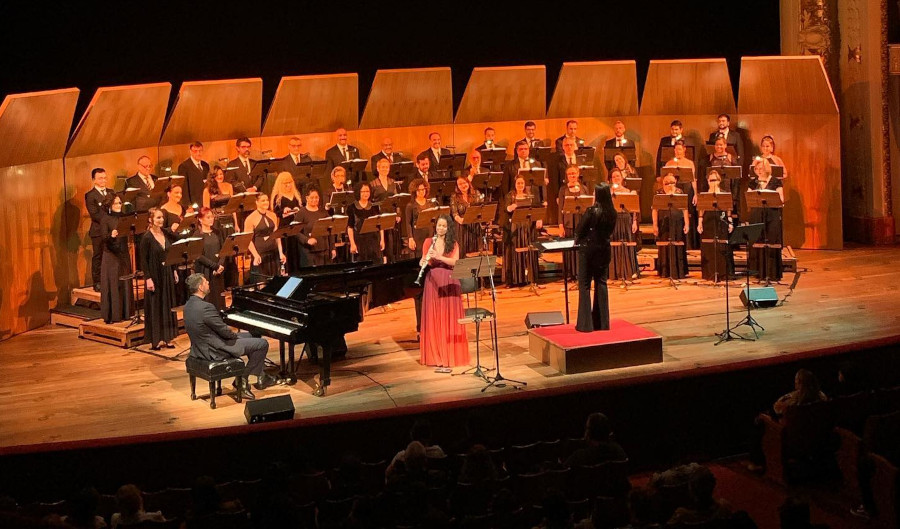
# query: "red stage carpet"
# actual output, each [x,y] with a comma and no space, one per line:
[570,351]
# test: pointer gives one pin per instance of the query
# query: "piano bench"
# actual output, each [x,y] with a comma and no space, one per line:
[213,371]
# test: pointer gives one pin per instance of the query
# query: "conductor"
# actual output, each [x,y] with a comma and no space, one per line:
[592,236]
[212,339]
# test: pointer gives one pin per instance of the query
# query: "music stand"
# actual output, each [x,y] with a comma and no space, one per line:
[628,150]
[729,148]
[441,189]
[741,234]
[287,230]
[585,154]
[234,245]
[493,157]
[626,203]
[452,163]
[339,201]
[480,213]
[312,170]
[475,268]
[523,215]
[777,171]
[541,154]
[129,197]
[634,184]
[355,168]
[403,170]
[183,252]
[670,203]
[685,175]
[327,227]
[383,221]
[188,223]
[428,217]
[396,203]
[242,202]
[668,152]
[535,176]
[487,182]
[765,199]
[134,225]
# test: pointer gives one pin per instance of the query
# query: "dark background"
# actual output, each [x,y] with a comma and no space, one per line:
[48,46]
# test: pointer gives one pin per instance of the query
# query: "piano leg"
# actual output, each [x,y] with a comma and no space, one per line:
[281,372]
[292,373]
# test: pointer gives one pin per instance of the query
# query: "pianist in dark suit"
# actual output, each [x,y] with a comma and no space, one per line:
[242,165]
[340,152]
[93,201]
[194,170]
[571,133]
[144,182]
[212,339]
[291,162]
[435,152]
[386,153]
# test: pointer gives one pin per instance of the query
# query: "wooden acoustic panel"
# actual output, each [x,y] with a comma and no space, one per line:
[313,103]
[121,118]
[785,85]
[408,98]
[35,250]
[595,89]
[696,86]
[504,94]
[214,110]
[34,127]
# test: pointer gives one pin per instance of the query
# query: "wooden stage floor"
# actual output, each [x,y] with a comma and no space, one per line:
[57,387]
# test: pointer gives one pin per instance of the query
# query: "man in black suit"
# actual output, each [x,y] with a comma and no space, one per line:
[531,138]
[242,165]
[195,171]
[386,152]
[489,135]
[435,152]
[571,132]
[618,139]
[732,137]
[340,152]
[93,200]
[521,161]
[291,162]
[567,158]
[212,339]
[144,181]
[677,129]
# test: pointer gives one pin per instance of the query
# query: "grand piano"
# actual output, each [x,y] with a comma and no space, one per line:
[317,306]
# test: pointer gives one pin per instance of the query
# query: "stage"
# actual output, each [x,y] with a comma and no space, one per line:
[58,388]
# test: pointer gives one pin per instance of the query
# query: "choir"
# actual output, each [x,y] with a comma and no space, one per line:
[682,168]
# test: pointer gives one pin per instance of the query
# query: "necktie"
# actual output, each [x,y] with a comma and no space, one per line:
[103,192]
[618,142]
[149,183]
[572,161]
[199,167]
[247,166]
[344,153]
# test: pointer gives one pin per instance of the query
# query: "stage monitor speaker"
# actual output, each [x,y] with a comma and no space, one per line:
[761,297]
[543,319]
[280,408]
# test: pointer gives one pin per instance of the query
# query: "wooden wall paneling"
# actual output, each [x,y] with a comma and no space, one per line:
[313,103]
[595,89]
[34,127]
[409,98]
[509,93]
[785,85]
[34,253]
[810,147]
[121,118]
[694,86]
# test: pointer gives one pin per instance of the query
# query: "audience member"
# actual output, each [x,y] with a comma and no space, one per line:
[205,500]
[806,391]
[421,432]
[131,508]
[83,510]
[704,507]
[601,446]
[478,466]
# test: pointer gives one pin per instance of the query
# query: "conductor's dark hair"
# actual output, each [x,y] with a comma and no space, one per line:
[95,171]
[243,139]
[530,124]
[676,123]
[723,115]
[197,144]
[194,281]
[603,200]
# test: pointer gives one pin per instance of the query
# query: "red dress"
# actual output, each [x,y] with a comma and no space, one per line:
[443,338]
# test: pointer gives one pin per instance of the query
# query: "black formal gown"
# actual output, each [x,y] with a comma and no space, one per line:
[172,219]
[115,293]
[766,261]
[209,262]
[467,235]
[317,254]
[368,245]
[417,234]
[159,321]
[393,242]
[716,262]
[593,235]
[624,263]
[267,248]
[520,263]
[290,245]
[570,222]
[672,258]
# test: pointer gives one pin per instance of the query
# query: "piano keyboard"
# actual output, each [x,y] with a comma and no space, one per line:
[269,323]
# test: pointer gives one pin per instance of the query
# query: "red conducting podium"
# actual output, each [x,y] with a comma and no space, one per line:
[569,351]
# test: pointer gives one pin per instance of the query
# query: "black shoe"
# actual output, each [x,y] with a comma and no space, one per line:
[245,390]
[96,287]
[265,380]
[320,390]
[170,346]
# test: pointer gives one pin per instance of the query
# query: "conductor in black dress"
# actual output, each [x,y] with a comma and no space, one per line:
[94,202]
[592,235]
[212,339]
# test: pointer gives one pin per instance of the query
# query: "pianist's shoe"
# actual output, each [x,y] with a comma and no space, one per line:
[265,380]
[245,389]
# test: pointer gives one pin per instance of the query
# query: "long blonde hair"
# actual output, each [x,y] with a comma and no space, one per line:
[283,177]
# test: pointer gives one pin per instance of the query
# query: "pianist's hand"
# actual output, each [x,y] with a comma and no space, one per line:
[150,286]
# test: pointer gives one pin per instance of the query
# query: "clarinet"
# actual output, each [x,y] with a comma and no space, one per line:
[418,281]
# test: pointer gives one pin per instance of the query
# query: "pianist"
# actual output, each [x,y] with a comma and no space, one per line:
[212,339]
